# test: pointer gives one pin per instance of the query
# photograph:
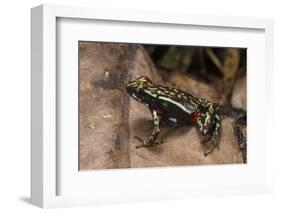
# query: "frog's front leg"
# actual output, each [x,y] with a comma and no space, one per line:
[151,141]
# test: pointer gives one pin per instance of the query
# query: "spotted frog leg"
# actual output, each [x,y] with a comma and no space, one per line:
[151,141]
[213,139]
[212,116]
[241,133]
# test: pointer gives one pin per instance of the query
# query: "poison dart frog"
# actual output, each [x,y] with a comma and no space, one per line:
[175,107]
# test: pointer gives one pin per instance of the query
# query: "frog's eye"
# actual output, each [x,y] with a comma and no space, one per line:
[144,79]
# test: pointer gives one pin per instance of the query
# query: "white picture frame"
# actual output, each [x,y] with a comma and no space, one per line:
[45,168]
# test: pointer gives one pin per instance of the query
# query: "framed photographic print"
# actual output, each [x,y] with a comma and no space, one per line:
[133,106]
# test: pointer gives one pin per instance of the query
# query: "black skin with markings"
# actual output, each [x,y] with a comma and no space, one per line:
[175,107]
[239,127]
[241,133]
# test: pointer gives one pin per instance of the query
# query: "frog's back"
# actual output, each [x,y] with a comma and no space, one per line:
[178,96]
[175,106]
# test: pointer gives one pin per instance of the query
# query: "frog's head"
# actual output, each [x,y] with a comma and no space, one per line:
[141,89]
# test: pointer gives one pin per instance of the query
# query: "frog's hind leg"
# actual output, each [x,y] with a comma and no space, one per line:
[213,139]
[209,141]
[151,141]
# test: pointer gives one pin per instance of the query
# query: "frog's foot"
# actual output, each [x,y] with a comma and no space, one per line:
[143,141]
[206,153]
[148,143]
[206,140]
[214,146]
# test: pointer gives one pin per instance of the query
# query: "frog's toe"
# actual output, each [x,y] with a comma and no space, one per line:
[139,139]
[214,146]
[143,141]
[206,153]
[215,143]
[217,147]
[140,146]
[159,142]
